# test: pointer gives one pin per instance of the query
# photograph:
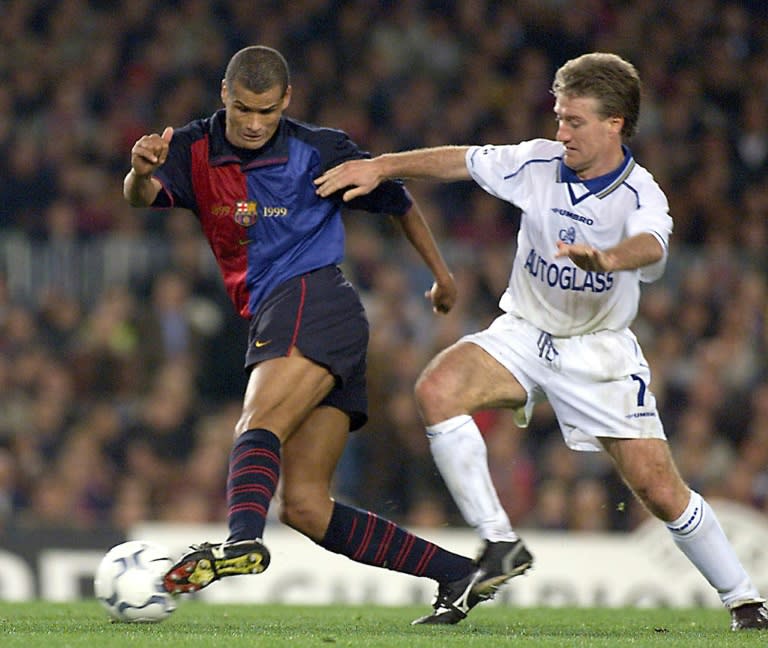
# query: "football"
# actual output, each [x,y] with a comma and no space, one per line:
[128,582]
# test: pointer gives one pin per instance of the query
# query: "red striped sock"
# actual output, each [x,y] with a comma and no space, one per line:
[367,538]
[254,470]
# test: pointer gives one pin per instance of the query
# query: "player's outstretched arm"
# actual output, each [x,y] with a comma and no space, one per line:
[363,176]
[147,154]
[632,253]
[443,292]
[441,163]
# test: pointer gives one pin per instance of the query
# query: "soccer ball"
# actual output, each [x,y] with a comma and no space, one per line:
[129,583]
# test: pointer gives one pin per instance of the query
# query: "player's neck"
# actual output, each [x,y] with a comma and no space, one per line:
[602,166]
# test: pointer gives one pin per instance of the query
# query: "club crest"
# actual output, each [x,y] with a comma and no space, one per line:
[246,212]
[568,235]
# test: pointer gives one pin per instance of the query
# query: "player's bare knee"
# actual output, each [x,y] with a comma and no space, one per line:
[240,427]
[433,395]
[304,515]
[271,420]
[294,513]
[243,423]
[286,516]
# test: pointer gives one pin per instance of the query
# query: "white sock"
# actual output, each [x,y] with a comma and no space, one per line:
[700,537]
[460,454]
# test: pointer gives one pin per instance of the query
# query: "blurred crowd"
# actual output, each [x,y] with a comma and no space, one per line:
[121,359]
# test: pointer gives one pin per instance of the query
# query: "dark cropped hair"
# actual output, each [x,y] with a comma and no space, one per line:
[258,68]
[608,78]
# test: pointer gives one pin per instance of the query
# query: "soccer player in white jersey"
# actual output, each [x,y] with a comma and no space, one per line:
[594,225]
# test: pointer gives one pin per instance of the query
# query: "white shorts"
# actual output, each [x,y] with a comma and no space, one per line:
[597,384]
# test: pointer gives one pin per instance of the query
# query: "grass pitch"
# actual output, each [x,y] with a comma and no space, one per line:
[200,625]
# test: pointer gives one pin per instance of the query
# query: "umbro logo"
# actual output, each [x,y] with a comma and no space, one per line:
[569,214]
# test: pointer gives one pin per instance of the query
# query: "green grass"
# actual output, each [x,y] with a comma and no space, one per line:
[196,624]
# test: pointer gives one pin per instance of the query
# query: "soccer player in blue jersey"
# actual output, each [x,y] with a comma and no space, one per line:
[247,173]
[594,225]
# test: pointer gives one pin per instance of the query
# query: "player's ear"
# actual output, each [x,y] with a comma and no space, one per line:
[224,92]
[287,97]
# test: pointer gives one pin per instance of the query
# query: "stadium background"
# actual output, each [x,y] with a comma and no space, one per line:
[120,371]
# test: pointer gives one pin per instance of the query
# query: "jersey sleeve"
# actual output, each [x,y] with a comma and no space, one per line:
[652,216]
[497,169]
[390,197]
[175,175]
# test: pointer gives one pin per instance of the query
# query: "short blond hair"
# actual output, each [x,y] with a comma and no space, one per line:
[614,82]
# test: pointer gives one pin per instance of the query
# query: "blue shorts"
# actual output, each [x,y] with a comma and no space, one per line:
[320,314]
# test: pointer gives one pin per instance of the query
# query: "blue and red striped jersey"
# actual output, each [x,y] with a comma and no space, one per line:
[258,209]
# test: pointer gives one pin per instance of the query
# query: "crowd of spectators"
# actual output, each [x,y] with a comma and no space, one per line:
[120,357]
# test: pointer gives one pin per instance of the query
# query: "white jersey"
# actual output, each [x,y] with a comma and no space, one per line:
[553,294]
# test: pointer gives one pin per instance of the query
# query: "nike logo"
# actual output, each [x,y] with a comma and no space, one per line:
[244,241]
[261,343]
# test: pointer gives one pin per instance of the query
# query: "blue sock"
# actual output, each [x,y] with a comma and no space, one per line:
[367,538]
[254,470]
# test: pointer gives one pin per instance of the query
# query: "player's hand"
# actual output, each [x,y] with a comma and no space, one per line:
[362,175]
[586,257]
[442,295]
[150,151]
